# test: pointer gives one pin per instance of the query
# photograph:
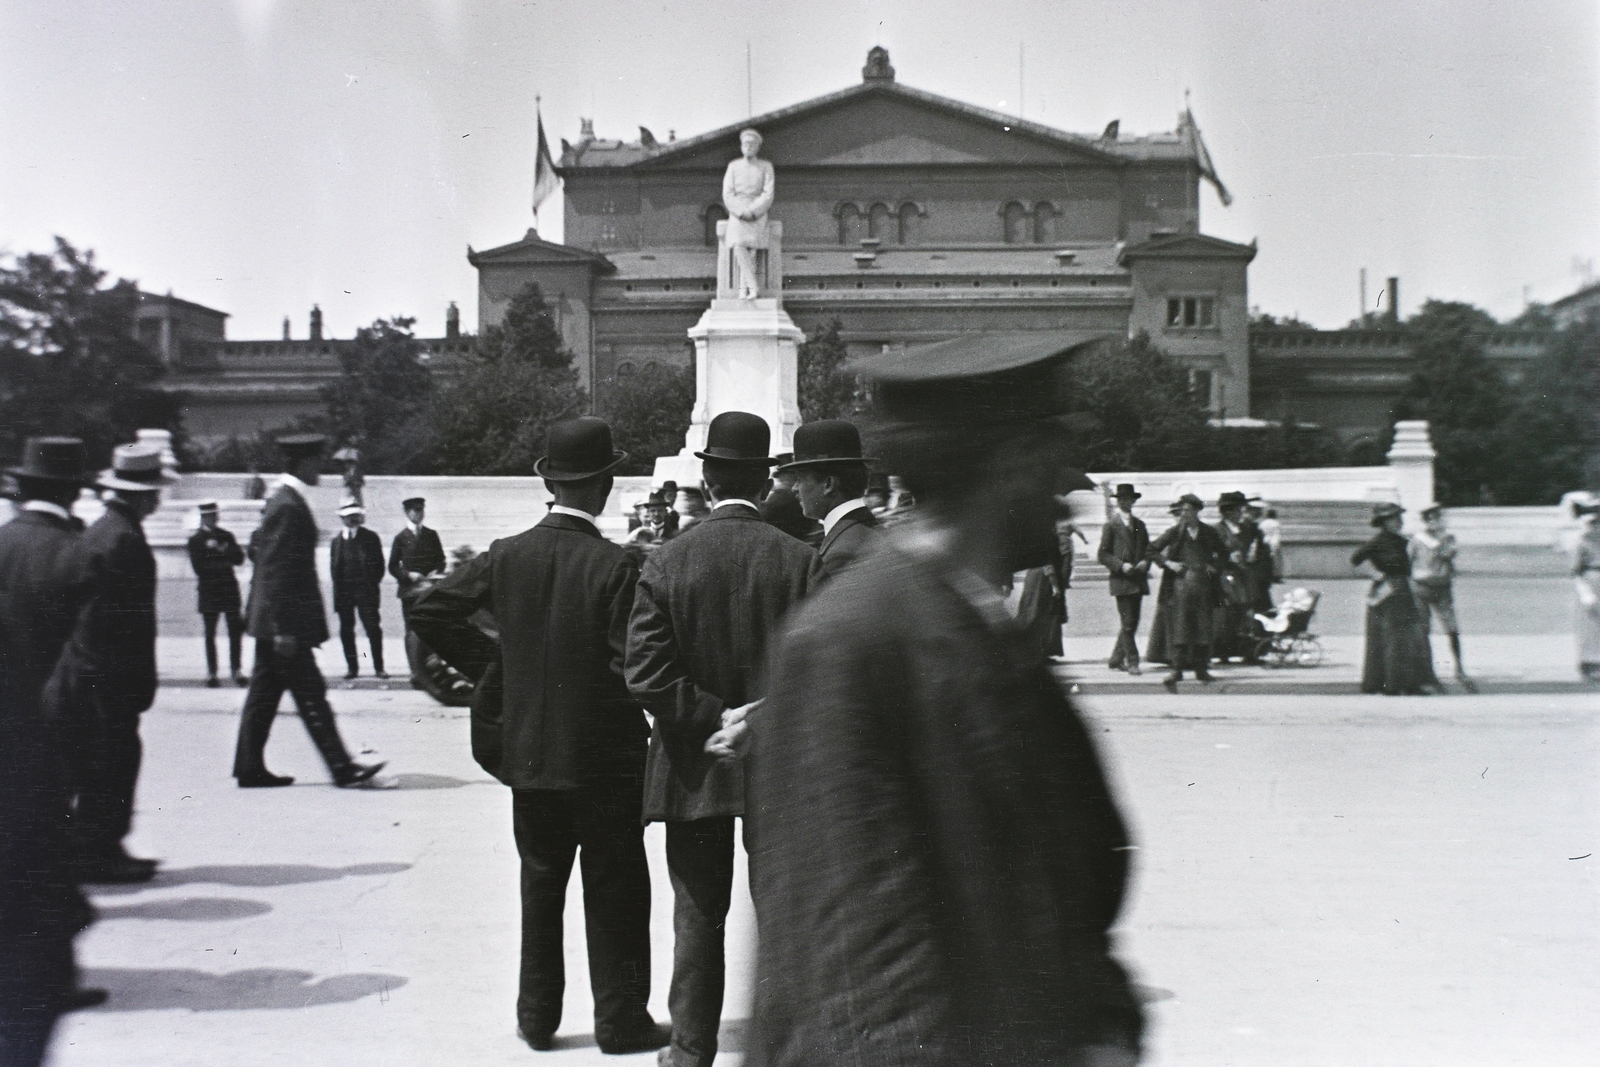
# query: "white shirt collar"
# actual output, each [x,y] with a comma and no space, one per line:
[349,532]
[48,508]
[414,527]
[562,509]
[735,500]
[831,519]
[291,482]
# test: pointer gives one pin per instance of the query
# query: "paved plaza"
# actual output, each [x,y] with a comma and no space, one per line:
[1323,878]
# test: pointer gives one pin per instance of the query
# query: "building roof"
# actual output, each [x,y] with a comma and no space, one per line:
[535,249]
[1586,295]
[1187,246]
[156,300]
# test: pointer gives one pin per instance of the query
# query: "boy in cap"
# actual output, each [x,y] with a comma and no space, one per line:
[214,553]
[355,563]
[1433,572]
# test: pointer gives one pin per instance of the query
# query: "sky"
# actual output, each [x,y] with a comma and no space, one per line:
[259,156]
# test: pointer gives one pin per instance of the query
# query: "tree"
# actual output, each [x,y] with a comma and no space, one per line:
[1132,409]
[826,390]
[1552,438]
[649,412]
[70,362]
[516,380]
[380,401]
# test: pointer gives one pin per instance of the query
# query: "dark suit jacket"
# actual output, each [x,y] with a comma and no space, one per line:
[707,603]
[560,594]
[41,590]
[213,554]
[356,567]
[284,595]
[1126,543]
[936,855]
[421,553]
[113,645]
[853,536]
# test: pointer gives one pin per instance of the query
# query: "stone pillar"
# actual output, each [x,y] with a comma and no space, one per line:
[746,358]
[1411,465]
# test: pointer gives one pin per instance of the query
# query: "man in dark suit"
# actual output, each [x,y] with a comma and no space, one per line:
[567,739]
[214,553]
[939,857]
[106,678]
[1124,546]
[706,605]
[288,623]
[830,477]
[355,562]
[41,907]
[416,551]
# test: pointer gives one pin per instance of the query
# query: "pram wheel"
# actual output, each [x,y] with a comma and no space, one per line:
[1270,652]
[1306,651]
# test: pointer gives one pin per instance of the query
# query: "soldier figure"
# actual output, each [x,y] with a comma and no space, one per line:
[355,562]
[214,553]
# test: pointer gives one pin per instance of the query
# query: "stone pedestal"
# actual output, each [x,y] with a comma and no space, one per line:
[745,358]
[1411,463]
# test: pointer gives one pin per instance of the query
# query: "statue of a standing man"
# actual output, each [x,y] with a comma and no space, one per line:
[748,187]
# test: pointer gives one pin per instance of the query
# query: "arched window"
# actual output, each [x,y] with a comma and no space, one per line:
[852,225]
[624,369]
[878,222]
[1044,223]
[1015,217]
[713,214]
[910,223]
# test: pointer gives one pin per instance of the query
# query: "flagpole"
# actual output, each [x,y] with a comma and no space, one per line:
[538,123]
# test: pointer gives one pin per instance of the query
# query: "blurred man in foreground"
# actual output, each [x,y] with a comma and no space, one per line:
[939,860]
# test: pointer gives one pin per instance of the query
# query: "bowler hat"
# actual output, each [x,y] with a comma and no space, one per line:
[135,469]
[1231,500]
[413,502]
[302,444]
[1385,510]
[738,437]
[52,459]
[1125,491]
[825,442]
[576,449]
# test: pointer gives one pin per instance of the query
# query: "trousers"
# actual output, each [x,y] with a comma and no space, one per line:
[347,634]
[235,640]
[700,864]
[1126,653]
[600,824]
[300,675]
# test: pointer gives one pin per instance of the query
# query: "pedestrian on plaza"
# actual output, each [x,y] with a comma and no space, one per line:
[654,531]
[288,622]
[1586,581]
[255,486]
[214,553]
[939,859]
[1272,532]
[829,475]
[1433,571]
[669,493]
[415,554]
[1042,606]
[106,677]
[569,740]
[781,506]
[1233,633]
[1397,660]
[707,604]
[41,906]
[1265,560]
[1191,555]
[355,563]
[1124,553]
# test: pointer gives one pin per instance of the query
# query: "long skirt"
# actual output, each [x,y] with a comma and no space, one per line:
[1398,658]
[1586,624]
[1041,611]
[1184,615]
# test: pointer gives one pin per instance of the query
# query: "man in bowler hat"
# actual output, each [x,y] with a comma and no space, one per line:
[214,553]
[287,620]
[830,478]
[106,678]
[939,859]
[355,563]
[41,907]
[1124,543]
[567,738]
[707,604]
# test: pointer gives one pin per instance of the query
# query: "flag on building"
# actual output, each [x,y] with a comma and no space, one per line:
[545,182]
[1191,136]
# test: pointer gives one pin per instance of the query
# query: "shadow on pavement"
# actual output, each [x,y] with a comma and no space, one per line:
[189,909]
[729,1039]
[259,989]
[253,877]
[435,781]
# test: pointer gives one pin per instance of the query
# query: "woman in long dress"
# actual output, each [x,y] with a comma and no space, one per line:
[1190,555]
[1586,577]
[1398,659]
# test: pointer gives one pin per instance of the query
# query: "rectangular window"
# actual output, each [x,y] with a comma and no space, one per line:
[1191,313]
[1200,382]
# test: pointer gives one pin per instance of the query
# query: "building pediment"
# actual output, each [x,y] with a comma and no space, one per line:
[1186,246]
[536,251]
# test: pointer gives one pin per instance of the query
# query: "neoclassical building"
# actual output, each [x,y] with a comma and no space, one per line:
[908,217]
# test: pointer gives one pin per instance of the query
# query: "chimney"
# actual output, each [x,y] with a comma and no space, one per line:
[452,322]
[1394,300]
[316,323]
[286,327]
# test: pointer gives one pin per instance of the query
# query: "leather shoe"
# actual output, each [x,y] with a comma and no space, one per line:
[356,774]
[240,680]
[1133,668]
[348,675]
[1170,682]
[79,999]
[380,673]
[645,1039]
[539,1040]
[212,683]
[1203,675]
[264,780]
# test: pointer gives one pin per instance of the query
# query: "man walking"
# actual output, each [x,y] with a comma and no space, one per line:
[41,907]
[355,563]
[1124,548]
[214,553]
[939,857]
[106,678]
[568,740]
[1433,574]
[829,475]
[287,620]
[707,603]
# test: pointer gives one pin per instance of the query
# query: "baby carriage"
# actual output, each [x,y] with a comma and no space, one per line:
[1286,642]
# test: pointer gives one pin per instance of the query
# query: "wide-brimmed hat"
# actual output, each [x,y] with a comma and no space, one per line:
[53,459]
[1126,491]
[302,444]
[576,449]
[1385,510]
[826,442]
[135,469]
[738,437]
[1231,500]
[657,499]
